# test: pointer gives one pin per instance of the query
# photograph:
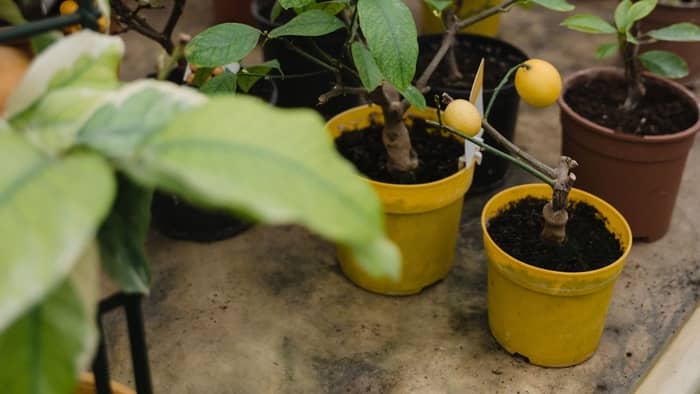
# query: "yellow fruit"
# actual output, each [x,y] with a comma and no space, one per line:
[102,24]
[68,7]
[538,83]
[13,64]
[463,116]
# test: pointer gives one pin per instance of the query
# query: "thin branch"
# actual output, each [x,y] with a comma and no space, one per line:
[309,56]
[486,13]
[175,13]
[339,90]
[447,41]
[515,150]
[532,170]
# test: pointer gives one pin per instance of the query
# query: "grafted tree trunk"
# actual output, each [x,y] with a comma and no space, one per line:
[400,155]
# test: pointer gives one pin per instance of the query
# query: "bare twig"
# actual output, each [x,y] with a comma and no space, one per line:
[133,21]
[517,151]
[175,13]
[339,90]
[554,212]
[504,7]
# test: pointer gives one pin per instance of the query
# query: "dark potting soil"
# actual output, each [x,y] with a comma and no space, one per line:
[659,112]
[497,62]
[439,156]
[589,244]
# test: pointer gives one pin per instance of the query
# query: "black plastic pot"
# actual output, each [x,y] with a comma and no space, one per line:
[177,219]
[499,55]
[303,92]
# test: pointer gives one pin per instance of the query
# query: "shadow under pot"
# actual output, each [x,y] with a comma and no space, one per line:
[177,219]
[499,57]
[633,161]
[305,80]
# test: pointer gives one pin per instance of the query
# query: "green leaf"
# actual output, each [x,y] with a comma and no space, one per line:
[220,84]
[42,41]
[287,4]
[312,23]
[366,67]
[621,12]
[47,218]
[588,24]
[201,75]
[274,166]
[607,50]
[439,5]
[276,11]
[132,114]
[664,63]
[555,5]
[677,32]
[330,7]
[246,82]
[391,37]
[221,45]
[84,59]
[10,13]
[122,237]
[415,97]
[43,351]
[639,10]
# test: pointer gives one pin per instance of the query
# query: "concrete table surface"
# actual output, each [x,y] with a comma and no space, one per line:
[270,312]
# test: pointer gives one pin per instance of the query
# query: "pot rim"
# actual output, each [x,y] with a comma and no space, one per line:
[587,197]
[685,6]
[570,79]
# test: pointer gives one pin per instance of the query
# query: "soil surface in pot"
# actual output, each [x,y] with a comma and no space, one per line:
[661,111]
[438,155]
[495,67]
[589,244]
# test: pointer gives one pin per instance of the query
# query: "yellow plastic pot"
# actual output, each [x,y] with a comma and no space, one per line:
[86,385]
[421,219]
[555,319]
[487,27]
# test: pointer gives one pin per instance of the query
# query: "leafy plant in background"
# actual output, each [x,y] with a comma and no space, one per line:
[629,41]
[82,152]
[380,57]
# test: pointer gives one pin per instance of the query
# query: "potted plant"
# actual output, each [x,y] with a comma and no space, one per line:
[554,252]
[634,133]
[670,12]
[82,153]
[456,68]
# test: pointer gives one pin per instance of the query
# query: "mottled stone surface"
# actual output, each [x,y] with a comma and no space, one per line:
[270,312]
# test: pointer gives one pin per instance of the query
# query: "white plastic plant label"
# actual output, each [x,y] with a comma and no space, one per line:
[472,153]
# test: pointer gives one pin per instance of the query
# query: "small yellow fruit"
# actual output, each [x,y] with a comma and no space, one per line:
[102,24]
[538,83]
[463,116]
[68,7]
[13,64]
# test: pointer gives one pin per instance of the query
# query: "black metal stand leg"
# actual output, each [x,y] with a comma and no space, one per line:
[100,366]
[137,338]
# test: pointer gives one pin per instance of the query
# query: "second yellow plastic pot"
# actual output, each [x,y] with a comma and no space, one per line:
[555,319]
[421,219]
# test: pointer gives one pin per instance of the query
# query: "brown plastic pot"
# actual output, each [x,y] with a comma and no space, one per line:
[665,15]
[639,175]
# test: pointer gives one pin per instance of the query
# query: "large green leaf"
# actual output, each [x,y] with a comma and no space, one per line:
[43,351]
[621,12]
[677,32]
[588,24]
[85,59]
[220,84]
[639,10]
[331,7]
[287,4]
[366,67]
[49,210]
[607,50]
[391,36]
[134,112]
[246,81]
[222,44]
[123,235]
[10,13]
[555,5]
[312,23]
[664,63]
[415,97]
[276,166]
